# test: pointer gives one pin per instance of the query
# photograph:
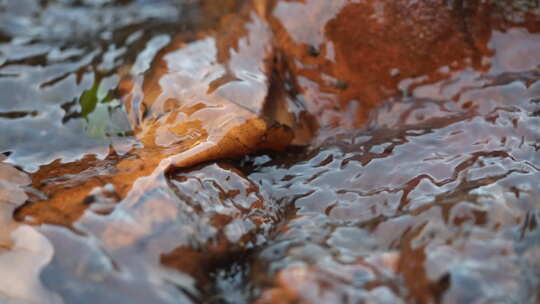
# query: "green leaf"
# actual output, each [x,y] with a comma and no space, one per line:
[88,101]
[103,115]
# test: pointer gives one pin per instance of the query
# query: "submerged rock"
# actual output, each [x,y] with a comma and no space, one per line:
[428,209]
[23,250]
[415,180]
[204,100]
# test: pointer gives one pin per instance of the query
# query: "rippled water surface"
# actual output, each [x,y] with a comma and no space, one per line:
[201,151]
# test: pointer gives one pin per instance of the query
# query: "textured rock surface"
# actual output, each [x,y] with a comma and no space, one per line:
[412,178]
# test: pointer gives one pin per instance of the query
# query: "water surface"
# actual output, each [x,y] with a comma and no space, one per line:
[131,171]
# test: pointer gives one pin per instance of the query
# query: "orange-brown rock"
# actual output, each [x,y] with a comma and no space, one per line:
[240,88]
[201,101]
[347,57]
[335,60]
[204,100]
[374,216]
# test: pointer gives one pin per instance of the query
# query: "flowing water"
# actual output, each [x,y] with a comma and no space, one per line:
[204,151]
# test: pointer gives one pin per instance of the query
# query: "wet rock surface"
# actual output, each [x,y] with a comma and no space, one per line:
[269,151]
[417,215]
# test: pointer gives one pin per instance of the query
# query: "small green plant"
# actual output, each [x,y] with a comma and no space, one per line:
[103,116]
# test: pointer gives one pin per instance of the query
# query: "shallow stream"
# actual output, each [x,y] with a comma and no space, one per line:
[130,171]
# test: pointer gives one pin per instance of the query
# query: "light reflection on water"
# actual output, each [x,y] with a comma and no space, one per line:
[433,199]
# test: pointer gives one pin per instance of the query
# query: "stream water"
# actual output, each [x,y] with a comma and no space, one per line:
[131,172]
